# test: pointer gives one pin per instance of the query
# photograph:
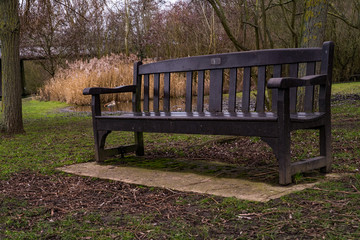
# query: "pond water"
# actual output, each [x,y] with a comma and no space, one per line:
[176,105]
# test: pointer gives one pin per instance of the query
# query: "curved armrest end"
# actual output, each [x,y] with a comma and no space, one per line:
[288,82]
[86,91]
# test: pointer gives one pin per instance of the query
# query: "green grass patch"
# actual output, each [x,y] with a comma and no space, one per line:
[346,88]
[51,140]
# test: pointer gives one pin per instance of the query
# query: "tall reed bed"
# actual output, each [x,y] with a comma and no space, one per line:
[111,71]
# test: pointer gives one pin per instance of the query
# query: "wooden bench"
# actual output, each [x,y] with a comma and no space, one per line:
[276,69]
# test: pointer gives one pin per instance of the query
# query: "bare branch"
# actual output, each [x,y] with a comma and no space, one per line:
[72,9]
[340,16]
[220,13]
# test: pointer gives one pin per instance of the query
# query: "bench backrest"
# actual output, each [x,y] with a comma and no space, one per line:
[255,67]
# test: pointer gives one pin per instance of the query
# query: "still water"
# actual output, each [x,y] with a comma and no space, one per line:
[176,105]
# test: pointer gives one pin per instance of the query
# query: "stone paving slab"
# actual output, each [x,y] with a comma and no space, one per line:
[188,182]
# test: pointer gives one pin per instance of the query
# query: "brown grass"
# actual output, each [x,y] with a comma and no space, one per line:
[112,71]
[109,71]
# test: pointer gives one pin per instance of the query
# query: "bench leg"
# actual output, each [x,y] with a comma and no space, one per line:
[139,142]
[325,147]
[284,159]
[100,137]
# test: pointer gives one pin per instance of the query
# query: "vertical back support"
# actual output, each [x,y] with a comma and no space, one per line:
[139,138]
[326,68]
[156,91]
[136,100]
[260,97]
[232,89]
[324,103]
[216,88]
[246,90]
[188,97]
[167,92]
[293,72]
[274,93]
[146,93]
[200,91]
[309,90]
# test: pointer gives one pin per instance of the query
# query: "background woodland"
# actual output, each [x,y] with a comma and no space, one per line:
[68,30]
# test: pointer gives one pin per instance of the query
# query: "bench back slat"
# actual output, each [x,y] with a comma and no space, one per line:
[200,91]
[216,90]
[166,99]
[188,96]
[233,60]
[260,96]
[274,93]
[156,92]
[246,90]
[146,92]
[326,68]
[309,90]
[293,72]
[232,89]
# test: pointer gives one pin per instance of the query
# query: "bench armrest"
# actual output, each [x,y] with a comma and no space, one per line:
[288,82]
[101,90]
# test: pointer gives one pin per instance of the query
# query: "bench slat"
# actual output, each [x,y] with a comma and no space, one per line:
[167,92]
[232,60]
[326,68]
[309,90]
[261,126]
[260,96]
[274,93]
[188,96]
[156,92]
[200,91]
[146,93]
[293,72]
[232,89]
[246,90]
[216,88]
[300,117]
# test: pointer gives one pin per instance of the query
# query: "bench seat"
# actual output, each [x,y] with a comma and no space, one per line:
[205,122]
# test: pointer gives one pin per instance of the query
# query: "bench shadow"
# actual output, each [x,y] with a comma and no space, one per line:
[265,174]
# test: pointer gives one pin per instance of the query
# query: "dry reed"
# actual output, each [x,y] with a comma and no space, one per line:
[111,71]
[68,83]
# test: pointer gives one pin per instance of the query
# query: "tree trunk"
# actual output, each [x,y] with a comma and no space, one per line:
[127,28]
[313,34]
[10,64]
[314,23]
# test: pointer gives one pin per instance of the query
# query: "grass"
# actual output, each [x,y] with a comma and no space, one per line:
[346,88]
[50,140]
[56,138]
